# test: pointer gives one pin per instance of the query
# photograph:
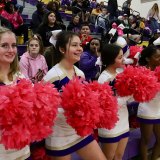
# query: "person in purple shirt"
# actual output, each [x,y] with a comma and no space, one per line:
[89,57]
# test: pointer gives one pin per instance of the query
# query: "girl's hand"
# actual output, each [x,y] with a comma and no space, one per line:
[39,75]
[84,37]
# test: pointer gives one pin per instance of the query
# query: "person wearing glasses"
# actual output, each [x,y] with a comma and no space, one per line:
[88,59]
[9,73]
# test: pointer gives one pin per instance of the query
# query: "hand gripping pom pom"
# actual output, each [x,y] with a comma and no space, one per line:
[16,103]
[27,112]
[81,106]
[108,105]
[45,110]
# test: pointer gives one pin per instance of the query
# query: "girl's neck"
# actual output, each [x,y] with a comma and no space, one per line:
[111,70]
[51,25]
[33,55]
[66,64]
[4,70]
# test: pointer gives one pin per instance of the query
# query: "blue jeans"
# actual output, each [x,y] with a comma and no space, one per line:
[154,25]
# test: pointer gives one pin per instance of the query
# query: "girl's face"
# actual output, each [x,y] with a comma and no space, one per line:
[54,7]
[94,46]
[85,30]
[73,50]
[76,19]
[51,18]
[8,48]
[154,60]
[119,61]
[104,11]
[34,48]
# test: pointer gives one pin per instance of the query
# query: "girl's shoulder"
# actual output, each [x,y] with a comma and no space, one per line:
[54,74]
[79,72]
[105,77]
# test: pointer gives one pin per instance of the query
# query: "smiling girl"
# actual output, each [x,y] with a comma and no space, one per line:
[9,74]
[64,140]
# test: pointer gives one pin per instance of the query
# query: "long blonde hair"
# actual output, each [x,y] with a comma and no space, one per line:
[155,9]
[14,66]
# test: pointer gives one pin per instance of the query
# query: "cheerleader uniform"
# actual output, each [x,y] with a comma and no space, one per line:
[121,129]
[64,139]
[14,154]
[149,112]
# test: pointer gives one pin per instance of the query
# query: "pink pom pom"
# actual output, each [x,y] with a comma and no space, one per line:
[135,51]
[137,81]
[45,109]
[157,73]
[15,114]
[108,105]
[81,106]
[27,112]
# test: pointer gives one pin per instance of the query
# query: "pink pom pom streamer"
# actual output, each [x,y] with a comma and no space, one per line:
[139,82]
[45,110]
[81,107]
[108,105]
[16,114]
[27,112]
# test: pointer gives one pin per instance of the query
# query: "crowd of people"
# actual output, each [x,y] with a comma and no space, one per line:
[56,53]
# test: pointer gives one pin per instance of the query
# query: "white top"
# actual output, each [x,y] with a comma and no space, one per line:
[151,109]
[63,136]
[122,126]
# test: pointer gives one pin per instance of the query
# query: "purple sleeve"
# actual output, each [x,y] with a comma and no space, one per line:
[87,61]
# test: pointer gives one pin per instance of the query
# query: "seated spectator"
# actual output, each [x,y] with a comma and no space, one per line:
[53,6]
[48,24]
[82,8]
[32,63]
[74,24]
[155,36]
[95,12]
[125,21]
[142,23]
[133,23]
[37,16]
[15,19]
[102,20]
[88,59]
[93,4]
[85,34]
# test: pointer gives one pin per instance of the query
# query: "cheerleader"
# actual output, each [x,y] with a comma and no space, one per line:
[114,141]
[149,113]
[9,73]
[64,139]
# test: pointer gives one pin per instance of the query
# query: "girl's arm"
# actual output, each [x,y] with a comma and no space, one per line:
[45,67]
[87,62]
[24,67]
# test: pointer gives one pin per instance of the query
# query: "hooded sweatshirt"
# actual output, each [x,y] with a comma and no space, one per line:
[29,66]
